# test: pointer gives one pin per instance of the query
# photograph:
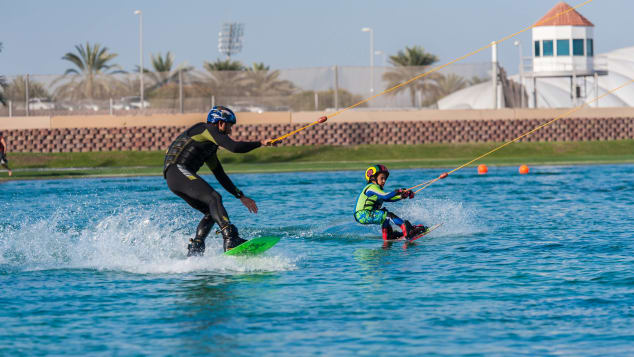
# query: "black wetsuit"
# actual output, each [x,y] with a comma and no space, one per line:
[198,145]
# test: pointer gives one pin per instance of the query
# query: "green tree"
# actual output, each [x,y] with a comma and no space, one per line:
[163,71]
[445,85]
[92,76]
[477,80]
[260,81]
[408,64]
[226,65]
[223,78]
[16,90]
[305,100]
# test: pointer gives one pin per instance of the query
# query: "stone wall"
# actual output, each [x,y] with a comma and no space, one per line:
[332,133]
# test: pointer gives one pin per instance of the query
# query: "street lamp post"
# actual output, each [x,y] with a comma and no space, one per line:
[371,31]
[382,54]
[138,12]
[521,73]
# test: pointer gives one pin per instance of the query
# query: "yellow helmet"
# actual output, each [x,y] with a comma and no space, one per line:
[374,170]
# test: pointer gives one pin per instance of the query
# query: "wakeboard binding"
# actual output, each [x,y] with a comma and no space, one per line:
[196,248]
[230,237]
[410,231]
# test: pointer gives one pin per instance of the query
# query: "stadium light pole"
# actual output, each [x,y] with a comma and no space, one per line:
[138,12]
[521,73]
[371,31]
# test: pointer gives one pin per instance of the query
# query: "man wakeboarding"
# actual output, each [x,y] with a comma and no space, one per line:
[369,210]
[196,146]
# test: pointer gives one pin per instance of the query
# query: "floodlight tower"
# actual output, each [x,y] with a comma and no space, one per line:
[230,38]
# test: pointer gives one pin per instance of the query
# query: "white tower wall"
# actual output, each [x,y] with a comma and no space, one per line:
[553,62]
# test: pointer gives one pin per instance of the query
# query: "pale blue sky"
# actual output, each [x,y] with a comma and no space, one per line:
[283,34]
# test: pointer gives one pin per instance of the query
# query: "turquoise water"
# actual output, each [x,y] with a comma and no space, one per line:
[529,265]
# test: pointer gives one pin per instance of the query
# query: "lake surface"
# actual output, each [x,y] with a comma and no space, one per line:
[537,264]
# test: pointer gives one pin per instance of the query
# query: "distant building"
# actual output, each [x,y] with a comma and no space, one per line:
[564,70]
[563,45]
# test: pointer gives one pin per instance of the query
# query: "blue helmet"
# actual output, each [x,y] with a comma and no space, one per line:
[218,113]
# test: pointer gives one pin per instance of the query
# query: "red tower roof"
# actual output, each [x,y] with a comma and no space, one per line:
[571,18]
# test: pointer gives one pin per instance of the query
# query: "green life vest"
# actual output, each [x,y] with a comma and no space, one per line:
[365,202]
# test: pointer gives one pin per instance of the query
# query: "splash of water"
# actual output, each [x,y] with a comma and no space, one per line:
[455,217]
[136,241]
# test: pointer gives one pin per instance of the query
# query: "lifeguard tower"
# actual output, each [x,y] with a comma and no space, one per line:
[563,46]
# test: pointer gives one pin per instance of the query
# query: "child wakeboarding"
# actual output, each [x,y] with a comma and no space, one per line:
[369,211]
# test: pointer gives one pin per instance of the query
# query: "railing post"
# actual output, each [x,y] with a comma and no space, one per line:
[596,89]
[111,107]
[316,101]
[494,73]
[10,108]
[180,91]
[336,88]
[26,94]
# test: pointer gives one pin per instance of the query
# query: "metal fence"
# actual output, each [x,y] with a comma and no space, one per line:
[183,91]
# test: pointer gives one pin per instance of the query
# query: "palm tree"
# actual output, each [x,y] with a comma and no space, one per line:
[260,81]
[226,65]
[3,87]
[477,80]
[16,90]
[223,78]
[163,71]
[90,79]
[305,100]
[446,85]
[408,64]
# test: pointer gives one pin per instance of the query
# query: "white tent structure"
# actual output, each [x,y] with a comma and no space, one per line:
[555,92]
[564,69]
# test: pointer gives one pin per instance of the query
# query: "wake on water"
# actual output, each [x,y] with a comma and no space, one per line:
[130,241]
[142,242]
[457,220]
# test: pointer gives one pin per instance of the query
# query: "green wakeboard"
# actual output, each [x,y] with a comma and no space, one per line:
[254,246]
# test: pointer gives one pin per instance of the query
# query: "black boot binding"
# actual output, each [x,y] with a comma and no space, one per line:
[195,248]
[230,238]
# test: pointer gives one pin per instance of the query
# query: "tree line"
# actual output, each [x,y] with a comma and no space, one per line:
[95,75]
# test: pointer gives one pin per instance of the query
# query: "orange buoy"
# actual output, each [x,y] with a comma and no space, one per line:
[523,169]
[482,169]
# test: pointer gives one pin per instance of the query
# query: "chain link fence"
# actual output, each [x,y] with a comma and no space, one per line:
[187,91]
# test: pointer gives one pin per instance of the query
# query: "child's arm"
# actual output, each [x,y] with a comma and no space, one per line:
[385,196]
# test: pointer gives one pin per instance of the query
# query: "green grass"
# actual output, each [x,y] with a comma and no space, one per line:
[313,158]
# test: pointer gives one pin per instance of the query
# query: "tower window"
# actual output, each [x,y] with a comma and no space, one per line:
[577,47]
[563,47]
[548,47]
[537,49]
[589,47]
